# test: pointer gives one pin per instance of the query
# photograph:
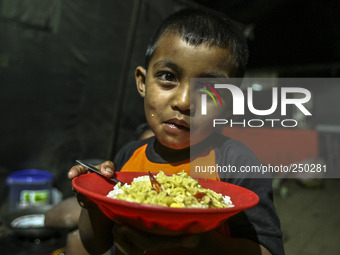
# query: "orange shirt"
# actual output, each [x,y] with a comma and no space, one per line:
[139,162]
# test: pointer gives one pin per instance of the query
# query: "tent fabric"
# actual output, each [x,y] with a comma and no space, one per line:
[59,78]
[40,14]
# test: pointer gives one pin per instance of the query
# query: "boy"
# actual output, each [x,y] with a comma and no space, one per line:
[189,44]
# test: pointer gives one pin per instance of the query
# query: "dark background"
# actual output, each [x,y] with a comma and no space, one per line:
[66,70]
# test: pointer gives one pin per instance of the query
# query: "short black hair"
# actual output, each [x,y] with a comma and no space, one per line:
[198,27]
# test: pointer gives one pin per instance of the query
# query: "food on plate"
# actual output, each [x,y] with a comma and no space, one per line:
[178,190]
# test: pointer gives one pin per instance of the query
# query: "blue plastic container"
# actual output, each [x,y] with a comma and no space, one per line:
[29,188]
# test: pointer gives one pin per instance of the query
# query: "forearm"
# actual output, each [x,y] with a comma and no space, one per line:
[214,243]
[244,246]
[95,231]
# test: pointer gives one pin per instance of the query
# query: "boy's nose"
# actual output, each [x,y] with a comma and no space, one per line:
[181,100]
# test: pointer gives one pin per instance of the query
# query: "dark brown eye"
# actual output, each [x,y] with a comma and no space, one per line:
[168,77]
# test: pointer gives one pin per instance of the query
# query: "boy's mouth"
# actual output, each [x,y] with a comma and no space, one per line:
[177,124]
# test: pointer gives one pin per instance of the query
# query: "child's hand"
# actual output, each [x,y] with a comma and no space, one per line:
[107,169]
[132,241]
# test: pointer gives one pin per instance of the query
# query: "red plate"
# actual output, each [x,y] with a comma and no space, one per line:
[161,219]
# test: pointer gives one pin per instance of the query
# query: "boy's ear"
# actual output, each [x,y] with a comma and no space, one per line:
[140,76]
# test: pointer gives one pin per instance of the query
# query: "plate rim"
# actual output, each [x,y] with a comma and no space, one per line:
[135,205]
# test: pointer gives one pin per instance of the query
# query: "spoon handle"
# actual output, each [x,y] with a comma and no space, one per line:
[96,170]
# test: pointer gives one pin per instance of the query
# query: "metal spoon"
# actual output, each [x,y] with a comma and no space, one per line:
[96,170]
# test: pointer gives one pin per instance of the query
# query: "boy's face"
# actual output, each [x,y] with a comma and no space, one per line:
[166,89]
